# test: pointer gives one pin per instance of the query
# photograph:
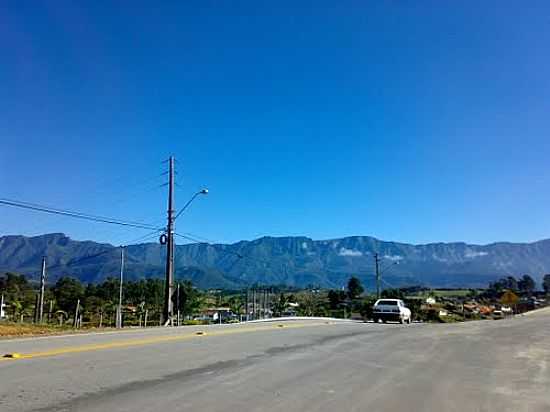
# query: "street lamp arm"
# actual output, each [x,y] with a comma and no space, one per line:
[389,266]
[201,192]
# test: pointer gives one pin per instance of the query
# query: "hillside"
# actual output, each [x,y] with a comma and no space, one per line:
[296,261]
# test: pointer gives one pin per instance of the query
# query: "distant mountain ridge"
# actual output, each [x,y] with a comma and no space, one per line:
[295,261]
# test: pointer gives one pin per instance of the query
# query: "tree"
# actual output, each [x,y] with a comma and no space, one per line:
[511,283]
[281,304]
[191,299]
[366,308]
[67,291]
[108,290]
[546,283]
[392,294]
[335,298]
[526,284]
[15,287]
[311,304]
[355,289]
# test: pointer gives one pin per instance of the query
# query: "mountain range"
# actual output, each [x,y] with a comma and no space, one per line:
[293,261]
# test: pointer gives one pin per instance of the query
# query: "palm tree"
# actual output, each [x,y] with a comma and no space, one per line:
[17,308]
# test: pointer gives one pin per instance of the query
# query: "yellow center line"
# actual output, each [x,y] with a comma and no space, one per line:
[158,339]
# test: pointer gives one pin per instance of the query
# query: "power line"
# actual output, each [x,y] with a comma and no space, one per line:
[144,237]
[389,284]
[77,215]
[222,250]
[76,261]
[95,255]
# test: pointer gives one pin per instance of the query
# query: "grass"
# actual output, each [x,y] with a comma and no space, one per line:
[451,292]
[16,330]
[447,293]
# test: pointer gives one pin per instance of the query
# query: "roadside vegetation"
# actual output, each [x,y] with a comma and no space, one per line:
[69,304]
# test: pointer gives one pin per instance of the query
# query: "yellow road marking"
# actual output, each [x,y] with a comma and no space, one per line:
[148,341]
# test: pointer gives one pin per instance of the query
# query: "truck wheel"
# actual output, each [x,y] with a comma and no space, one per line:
[408,321]
[401,320]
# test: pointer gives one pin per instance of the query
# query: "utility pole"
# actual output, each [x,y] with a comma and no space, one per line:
[119,308]
[42,286]
[254,303]
[268,303]
[168,307]
[262,299]
[246,304]
[178,304]
[35,313]
[377,265]
[76,312]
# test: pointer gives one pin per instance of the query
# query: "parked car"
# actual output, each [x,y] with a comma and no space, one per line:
[498,314]
[391,310]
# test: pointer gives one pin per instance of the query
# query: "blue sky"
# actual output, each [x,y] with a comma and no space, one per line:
[408,121]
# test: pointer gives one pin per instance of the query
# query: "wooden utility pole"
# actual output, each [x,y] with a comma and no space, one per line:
[168,306]
[50,311]
[35,313]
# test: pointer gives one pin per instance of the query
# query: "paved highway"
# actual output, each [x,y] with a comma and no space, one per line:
[303,366]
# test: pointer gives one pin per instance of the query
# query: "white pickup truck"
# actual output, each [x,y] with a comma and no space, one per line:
[391,310]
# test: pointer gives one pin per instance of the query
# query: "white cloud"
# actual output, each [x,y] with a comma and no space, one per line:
[470,254]
[350,252]
[439,259]
[395,258]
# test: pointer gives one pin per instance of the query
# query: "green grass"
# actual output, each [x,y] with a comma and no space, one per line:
[449,293]
[444,293]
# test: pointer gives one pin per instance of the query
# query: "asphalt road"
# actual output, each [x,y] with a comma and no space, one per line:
[303,366]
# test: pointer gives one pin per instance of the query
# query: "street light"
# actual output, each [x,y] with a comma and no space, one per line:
[379,272]
[200,192]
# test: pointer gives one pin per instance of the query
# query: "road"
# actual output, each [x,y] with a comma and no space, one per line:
[303,366]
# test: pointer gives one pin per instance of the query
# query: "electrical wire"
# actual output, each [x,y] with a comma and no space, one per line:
[144,237]
[222,250]
[77,215]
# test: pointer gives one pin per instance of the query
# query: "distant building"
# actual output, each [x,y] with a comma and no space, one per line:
[216,314]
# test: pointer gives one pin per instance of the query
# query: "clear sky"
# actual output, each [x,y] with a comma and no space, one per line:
[418,121]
